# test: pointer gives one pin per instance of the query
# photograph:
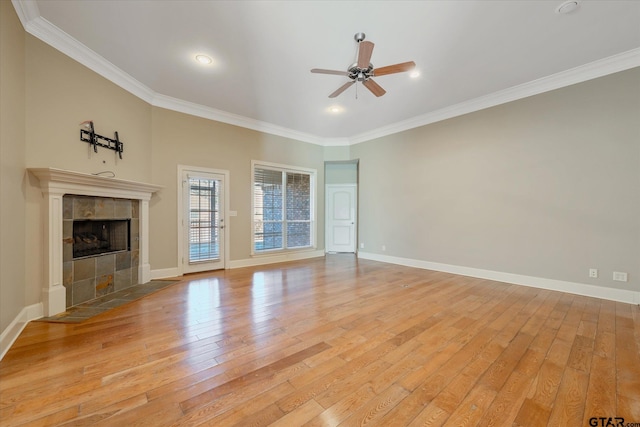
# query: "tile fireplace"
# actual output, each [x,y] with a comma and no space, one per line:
[100,205]
[100,251]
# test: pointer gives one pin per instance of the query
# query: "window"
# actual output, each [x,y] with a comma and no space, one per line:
[204,214]
[283,207]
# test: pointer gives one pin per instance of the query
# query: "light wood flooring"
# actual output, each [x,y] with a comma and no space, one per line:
[331,341]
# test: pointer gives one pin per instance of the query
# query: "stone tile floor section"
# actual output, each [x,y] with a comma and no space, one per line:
[81,312]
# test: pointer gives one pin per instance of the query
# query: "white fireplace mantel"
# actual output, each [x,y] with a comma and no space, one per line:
[55,183]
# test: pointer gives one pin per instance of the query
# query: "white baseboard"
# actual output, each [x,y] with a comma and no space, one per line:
[11,333]
[165,272]
[613,294]
[259,260]
[272,259]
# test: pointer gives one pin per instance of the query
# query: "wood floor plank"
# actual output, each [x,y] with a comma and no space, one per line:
[251,377]
[376,408]
[531,413]
[471,410]
[299,416]
[504,407]
[257,411]
[569,406]
[601,394]
[342,409]
[330,341]
[431,416]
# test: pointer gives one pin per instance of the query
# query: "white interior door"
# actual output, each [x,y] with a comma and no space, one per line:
[341,211]
[202,221]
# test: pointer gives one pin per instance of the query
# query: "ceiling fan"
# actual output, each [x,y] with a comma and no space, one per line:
[363,71]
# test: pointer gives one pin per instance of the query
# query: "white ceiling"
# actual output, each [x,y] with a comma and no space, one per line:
[471,55]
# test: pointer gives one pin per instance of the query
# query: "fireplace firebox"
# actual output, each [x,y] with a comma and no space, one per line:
[97,237]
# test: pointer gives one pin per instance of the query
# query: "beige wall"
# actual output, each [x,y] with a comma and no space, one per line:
[337,153]
[60,94]
[12,163]
[548,186]
[180,139]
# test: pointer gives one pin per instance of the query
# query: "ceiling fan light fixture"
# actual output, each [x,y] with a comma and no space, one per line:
[414,74]
[363,70]
[336,109]
[204,59]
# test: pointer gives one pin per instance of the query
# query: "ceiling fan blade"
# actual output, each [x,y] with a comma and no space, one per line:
[321,71]
[365,49]
[396,68]
[342,89]
[374,87]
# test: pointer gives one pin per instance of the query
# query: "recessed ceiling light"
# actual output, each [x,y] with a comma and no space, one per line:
[567,7]
[204,59]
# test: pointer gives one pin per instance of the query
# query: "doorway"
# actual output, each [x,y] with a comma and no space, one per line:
[202,230]
[341,208]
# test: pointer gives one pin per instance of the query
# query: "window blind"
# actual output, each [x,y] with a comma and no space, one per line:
[282,209]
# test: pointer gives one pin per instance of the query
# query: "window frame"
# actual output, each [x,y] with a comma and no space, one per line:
[284,169]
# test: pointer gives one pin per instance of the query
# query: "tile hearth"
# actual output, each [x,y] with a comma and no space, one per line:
[89,309]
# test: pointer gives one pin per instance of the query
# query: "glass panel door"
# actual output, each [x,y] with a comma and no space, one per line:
[203,221]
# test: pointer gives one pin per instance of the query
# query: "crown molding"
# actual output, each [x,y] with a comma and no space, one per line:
[337,142]
[63,42]
[26,10]
[44,30]
[199,110]
[599,68]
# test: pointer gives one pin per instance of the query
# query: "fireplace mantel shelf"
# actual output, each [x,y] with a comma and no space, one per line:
[55,183]
[52,178]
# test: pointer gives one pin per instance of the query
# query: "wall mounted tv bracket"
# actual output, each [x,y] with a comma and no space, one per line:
[88,134]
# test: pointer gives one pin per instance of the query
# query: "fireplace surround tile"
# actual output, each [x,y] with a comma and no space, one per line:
[84,207]
[67,281]
[135,278]
[88,278]
[135,234]
[67,273]
[67,208]
[122,260]
[105,285]
[105,208]
[67,240]
[135,210]
[123,279]
[122,208]
[83,290]
[84,269]
[105,264]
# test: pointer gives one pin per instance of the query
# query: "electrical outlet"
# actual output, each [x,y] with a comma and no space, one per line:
[361,245]
[593,273]
[619,276]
